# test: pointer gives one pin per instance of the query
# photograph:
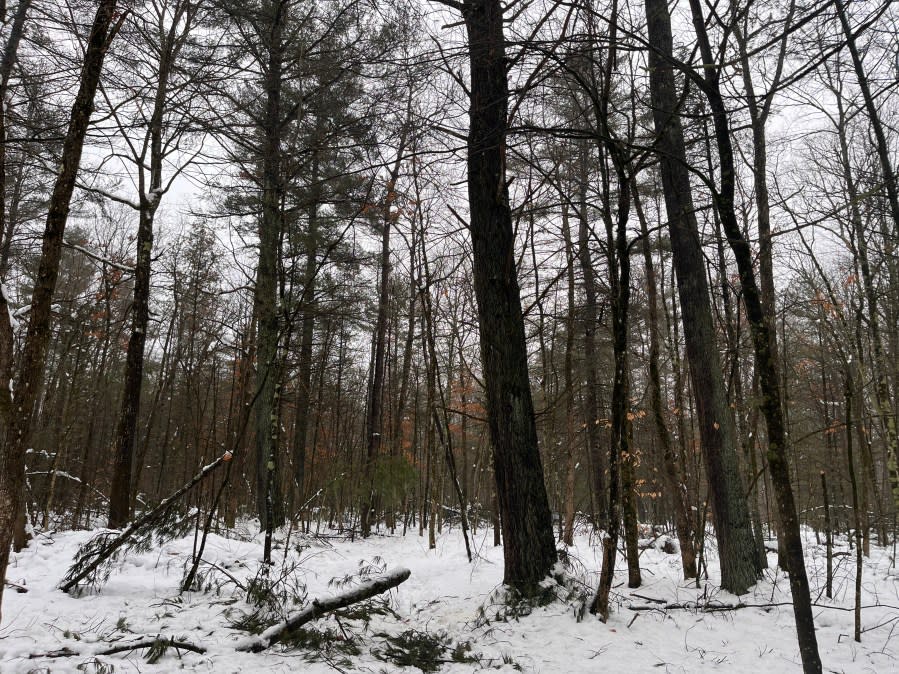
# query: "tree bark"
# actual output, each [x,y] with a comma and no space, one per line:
[765,358]
[268,502]
[303,397]
[856,511]
[739,568]
[590,320]
[568,500]
[37,338]
[674,481]
[529,549]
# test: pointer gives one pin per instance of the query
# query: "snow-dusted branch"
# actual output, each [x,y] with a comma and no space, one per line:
[83,569]
[99,258]
[320,607]
[157,647]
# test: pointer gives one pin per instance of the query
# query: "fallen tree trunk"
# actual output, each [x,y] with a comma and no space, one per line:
[320,607]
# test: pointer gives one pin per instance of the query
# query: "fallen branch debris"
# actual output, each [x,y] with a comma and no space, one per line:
[157,647]
[320,607]
[83,569]
[21,589]
[711,607]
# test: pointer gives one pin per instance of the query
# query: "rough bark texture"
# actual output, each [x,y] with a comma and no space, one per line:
[15,442]
[269,507]
[717,433]
[529,549]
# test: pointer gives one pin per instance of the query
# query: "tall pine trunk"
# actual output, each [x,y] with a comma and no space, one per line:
[268,499]
[739,568]
[529,549]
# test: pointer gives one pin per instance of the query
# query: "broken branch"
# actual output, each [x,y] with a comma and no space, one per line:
[320,607]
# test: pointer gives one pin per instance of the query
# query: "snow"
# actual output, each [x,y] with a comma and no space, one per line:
[444,594]
[14,323]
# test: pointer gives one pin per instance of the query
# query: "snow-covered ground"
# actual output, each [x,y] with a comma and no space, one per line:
[443,598]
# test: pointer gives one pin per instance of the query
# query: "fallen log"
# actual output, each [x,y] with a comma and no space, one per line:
[322,606]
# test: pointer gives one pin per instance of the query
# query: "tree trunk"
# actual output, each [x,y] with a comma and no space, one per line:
[739,568]
[590,320]
[18,423]
[856,511]
[828,535]
[123,451]
[529,549]
[10,54]
[765,358]
[882,396]
[304,364]
[375,422]
[674,481]
[568,500]
[268,502]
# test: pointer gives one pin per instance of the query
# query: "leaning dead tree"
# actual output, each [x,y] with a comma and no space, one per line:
[92,557]
[320,607]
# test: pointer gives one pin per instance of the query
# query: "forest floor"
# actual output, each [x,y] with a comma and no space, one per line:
[445,618]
